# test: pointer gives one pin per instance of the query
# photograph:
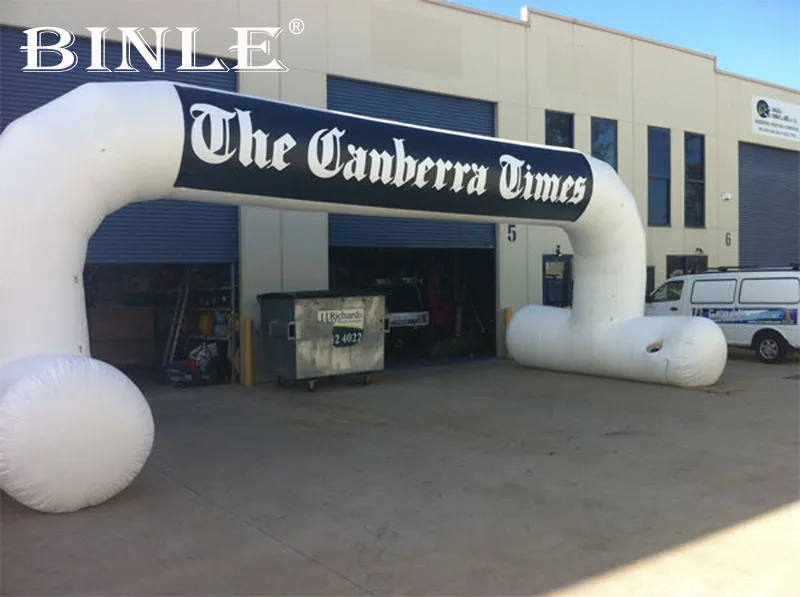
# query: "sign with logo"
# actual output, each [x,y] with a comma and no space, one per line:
[348,325]
[749,316]
[775,118]
[253,146]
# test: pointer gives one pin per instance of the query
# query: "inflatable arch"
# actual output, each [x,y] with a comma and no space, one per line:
[75,431]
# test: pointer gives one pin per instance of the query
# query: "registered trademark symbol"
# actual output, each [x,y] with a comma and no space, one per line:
[296,26]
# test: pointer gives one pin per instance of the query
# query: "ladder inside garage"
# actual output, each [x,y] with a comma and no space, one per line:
[177,320]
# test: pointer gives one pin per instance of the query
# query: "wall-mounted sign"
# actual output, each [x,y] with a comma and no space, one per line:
[775,118]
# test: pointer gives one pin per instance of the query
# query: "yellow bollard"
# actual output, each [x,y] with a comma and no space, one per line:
[247,349]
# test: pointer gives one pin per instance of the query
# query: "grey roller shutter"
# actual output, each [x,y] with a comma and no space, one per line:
[769,206]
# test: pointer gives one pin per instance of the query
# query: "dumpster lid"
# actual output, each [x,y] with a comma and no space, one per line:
[310,294]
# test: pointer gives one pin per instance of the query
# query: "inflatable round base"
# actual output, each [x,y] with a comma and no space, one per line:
[74,432]
[677,351]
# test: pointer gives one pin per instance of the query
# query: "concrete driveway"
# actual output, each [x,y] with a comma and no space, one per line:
[476,479]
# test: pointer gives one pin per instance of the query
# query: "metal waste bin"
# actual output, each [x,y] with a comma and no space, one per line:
[312,335]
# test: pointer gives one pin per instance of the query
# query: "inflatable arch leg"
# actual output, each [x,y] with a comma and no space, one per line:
[74,431]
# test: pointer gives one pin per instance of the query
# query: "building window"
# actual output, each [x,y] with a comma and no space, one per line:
[604,140]
[695,184]
[559,129]
[658,168]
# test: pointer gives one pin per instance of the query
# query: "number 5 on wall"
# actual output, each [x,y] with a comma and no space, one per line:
[512,233]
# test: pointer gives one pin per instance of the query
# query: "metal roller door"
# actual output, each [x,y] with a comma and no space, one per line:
[420,108]
[769,206]
[161,231]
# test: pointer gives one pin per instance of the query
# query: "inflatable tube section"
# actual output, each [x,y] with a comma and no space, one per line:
[606,333]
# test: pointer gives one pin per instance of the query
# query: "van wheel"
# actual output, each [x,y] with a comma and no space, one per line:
[770,348]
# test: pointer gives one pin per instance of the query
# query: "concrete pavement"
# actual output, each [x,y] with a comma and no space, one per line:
[470,480]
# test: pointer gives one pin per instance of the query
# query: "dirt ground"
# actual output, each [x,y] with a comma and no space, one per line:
[477,479]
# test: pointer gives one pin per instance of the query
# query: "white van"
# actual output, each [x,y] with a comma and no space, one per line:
[755,308]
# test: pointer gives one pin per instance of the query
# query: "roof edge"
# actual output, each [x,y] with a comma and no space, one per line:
[758,81]
[552,15]
[477,12]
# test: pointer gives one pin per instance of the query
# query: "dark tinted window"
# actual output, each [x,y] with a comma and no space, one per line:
[659,169]
[695,204]
[658,202]
[559,129]
[658,156]
[695,156]
[604,140]
[694,187]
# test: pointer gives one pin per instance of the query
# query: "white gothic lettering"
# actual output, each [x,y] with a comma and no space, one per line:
[517,179]
[328,156]
[215,141]
[212,140]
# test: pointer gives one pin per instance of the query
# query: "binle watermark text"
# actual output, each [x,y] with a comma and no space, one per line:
[254,50]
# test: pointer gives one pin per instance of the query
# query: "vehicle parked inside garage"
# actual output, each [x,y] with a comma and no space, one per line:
[756,308]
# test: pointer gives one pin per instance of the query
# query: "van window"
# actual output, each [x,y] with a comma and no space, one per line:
[770,291]
[671,291]
[713,291]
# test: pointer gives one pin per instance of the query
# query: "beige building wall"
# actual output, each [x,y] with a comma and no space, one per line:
[526,66]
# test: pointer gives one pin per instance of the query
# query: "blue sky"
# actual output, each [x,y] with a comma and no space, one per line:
[755,38]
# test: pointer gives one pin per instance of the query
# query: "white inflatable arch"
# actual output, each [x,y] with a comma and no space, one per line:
[75,431]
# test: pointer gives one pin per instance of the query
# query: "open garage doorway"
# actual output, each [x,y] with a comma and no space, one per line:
[440,303]
[165,323]
[439,276]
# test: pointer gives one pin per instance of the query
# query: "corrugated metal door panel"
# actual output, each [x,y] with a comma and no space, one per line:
[411,106]
[420,108]
[369,231]
[212,241]
[769,206]
[158,231]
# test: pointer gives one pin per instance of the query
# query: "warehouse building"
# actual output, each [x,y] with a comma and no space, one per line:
[713,159]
